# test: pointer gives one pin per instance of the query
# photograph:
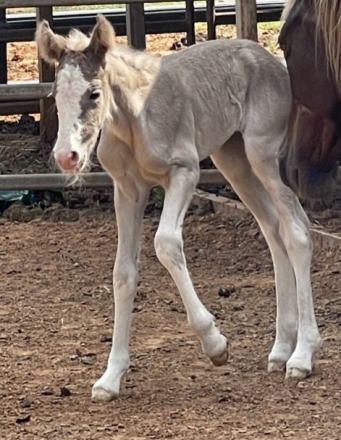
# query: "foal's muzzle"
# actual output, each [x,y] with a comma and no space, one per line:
[67,161]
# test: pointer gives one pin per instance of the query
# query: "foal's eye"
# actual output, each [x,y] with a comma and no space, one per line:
[95,95]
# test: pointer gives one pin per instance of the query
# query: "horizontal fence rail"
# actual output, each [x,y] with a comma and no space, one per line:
[24,91]
[34,182]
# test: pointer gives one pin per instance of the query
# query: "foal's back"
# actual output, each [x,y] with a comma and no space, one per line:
[213,88]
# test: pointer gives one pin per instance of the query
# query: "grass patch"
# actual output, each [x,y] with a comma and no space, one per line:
[273,26]
[263,28]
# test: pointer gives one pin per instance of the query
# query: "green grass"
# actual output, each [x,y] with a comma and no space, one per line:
[274,26]
[270,26]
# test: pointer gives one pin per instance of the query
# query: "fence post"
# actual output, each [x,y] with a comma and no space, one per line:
[246,19]
[135,21]
[3,50]
[211,19]
[190,22]
[48,115]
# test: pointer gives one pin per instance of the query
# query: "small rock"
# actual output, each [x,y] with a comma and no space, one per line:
[47,392]
[238,308]
[226,292]
[105,338]
[25,403]
[65,392]
[23,419]
[88,358]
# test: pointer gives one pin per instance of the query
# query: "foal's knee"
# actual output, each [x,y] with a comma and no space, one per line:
[125,279]
[168,248]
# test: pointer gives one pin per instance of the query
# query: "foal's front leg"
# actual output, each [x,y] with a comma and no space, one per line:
[169,249]
[129,217]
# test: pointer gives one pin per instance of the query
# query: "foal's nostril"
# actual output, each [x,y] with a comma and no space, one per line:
[74,158]
[68,160]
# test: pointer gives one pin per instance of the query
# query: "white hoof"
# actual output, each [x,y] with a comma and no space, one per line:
[276,366]
[222,358]
[297,374]
[102,395]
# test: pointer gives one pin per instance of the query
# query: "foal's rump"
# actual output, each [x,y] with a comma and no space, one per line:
[213,89]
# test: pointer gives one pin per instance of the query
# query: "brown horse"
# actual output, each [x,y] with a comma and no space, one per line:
[311,42]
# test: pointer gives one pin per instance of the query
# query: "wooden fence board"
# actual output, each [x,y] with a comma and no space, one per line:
[17,92]
[246,19]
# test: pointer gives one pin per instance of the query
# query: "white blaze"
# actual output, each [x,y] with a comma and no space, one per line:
[70,87]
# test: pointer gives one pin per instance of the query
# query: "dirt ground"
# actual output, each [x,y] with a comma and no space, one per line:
[56,320]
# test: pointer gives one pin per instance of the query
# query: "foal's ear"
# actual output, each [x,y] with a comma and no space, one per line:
[51,46]
[103,37]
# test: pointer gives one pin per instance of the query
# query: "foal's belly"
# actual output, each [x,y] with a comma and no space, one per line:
[210,142]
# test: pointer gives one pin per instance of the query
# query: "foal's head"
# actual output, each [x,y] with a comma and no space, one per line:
[310,39]
[81,89]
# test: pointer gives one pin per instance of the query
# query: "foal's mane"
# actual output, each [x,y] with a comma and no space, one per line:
[328,24]
[77,41]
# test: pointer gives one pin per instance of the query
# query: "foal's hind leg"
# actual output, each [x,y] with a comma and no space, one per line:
[169,249]
[295,232]
[231,160]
